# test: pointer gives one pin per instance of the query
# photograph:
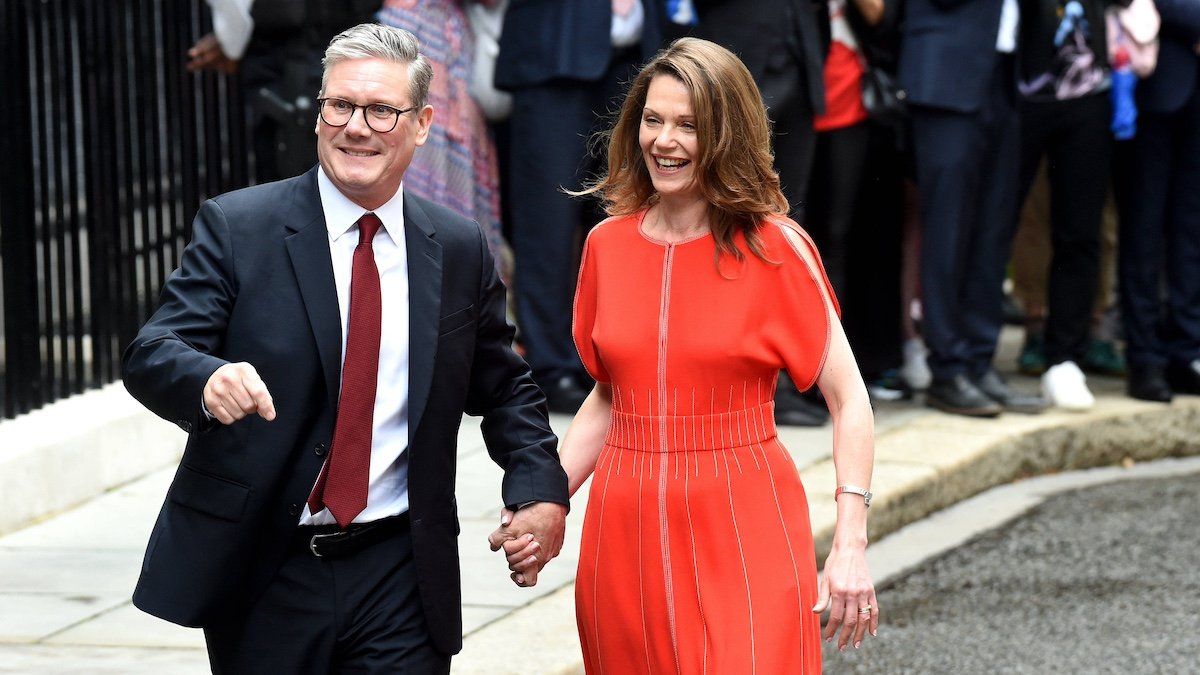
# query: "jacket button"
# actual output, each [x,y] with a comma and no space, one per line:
[294,509]
[319,450]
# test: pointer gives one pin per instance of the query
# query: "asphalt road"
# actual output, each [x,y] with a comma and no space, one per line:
[1100,580]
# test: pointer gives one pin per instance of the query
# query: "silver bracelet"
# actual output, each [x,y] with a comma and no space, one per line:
[866,494]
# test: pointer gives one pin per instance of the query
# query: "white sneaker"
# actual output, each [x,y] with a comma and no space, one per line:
[1065,387]
[915,371]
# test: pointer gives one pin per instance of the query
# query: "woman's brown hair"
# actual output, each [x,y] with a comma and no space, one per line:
[735,168]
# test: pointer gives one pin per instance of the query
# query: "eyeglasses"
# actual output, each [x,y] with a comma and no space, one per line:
[381,118]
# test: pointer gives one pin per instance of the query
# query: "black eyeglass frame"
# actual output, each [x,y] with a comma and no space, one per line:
[366,118]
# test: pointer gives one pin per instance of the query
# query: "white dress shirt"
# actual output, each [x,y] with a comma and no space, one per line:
[232,25]
[387,493]
[1010,16]
[626,30]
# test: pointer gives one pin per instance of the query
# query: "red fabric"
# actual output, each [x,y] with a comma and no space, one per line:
[342,486]
[843,90]
[697,552]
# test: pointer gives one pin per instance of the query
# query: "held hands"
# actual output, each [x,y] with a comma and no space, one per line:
[846,590]
[530,538]
[234,391]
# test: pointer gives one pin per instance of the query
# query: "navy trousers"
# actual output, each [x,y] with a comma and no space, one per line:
[967,168]
[357,614]
[552,129]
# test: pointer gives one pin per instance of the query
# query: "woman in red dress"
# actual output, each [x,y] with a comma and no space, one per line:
[697,553]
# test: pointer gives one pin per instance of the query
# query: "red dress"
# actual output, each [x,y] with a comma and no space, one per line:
[697,553]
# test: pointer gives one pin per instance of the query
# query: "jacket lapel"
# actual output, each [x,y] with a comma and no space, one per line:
[308,245]
[424,306]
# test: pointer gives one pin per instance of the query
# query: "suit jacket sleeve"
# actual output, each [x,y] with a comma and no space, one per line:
[169,362]
[515,426]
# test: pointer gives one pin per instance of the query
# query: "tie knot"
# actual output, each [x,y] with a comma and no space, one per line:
[368,226]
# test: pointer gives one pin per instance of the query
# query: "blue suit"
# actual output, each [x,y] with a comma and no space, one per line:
[557,59]
[1160,224]
[965,135]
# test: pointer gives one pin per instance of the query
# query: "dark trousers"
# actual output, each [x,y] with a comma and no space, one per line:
[357,614]
[1074,135]
[550,130]
[1159,173]
[967,165]
[871,303]
[841,156]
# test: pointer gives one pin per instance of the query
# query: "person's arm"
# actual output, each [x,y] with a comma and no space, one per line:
[580,449]
[585,437]
[846,585]
[168,364]
[501,390]
[516,429]
[172,366]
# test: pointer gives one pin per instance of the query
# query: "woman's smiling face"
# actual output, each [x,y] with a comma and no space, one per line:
[668,138]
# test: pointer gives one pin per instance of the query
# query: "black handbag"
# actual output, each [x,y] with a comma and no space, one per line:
[885,101]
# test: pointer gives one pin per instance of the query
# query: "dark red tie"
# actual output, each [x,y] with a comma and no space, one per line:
[342,485]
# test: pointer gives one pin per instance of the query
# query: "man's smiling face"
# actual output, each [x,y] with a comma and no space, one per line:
[366,165]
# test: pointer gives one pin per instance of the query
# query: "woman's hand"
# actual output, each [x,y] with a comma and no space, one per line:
[845,590]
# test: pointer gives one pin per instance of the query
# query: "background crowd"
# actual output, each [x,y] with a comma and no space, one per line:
[958,162]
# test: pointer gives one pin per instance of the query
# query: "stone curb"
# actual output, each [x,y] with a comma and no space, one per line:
[924,466]
[64,454]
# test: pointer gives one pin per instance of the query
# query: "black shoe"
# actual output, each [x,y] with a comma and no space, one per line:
[565,395]
[1148,383]
[994,386]
[957,395]
[793,409]
[1185,379]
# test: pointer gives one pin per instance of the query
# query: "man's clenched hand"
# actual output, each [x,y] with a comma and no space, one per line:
[234,391]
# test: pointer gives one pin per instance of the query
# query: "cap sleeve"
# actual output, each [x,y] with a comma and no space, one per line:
[584,314]
[800,325]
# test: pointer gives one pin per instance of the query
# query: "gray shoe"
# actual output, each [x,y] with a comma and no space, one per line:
[994,386]
[959,396]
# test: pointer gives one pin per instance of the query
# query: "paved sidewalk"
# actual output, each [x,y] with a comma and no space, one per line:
[65,582]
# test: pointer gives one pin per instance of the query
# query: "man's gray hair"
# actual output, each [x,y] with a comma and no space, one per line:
[376,41]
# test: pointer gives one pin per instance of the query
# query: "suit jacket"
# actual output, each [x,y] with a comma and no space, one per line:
[948,52]
[780,41]
[546,40]
[1174,78]
[256,284]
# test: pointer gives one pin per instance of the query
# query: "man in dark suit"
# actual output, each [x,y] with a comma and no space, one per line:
[957,65]
[565,64]
[319,343]
[1160,224]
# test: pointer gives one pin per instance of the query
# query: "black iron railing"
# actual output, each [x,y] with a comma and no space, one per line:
[107,148]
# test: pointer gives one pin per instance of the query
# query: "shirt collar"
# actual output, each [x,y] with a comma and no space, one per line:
[341,214]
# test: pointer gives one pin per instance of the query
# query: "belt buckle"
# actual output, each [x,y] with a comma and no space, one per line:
[317,539]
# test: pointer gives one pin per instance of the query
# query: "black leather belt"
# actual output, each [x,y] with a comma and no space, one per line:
[330,541]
